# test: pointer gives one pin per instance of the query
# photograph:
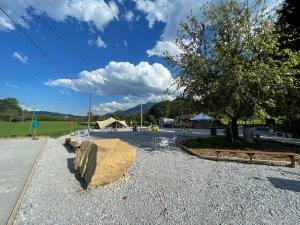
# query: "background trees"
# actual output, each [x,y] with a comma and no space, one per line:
[288,26]
[231,61]
[173,109]
[10,109]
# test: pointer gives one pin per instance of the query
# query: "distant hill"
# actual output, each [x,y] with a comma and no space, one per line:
[133,110]
[53,114]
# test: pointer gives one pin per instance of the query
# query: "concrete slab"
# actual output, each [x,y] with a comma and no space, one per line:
[17,156]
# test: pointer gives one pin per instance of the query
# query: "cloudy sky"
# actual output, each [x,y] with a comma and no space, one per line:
[112,49]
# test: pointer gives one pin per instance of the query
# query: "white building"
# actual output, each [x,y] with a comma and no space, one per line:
[165,122]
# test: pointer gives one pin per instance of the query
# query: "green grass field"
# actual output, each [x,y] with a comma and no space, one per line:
[46,128]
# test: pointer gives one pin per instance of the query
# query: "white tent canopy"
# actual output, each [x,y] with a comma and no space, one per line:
[110,122]
[201,117]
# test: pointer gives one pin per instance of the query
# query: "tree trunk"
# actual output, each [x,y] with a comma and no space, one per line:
[233,129]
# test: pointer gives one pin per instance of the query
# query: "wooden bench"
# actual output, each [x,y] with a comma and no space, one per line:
[291,155]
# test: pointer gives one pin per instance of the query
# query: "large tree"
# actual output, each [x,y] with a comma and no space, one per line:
[227,62]
[288,25]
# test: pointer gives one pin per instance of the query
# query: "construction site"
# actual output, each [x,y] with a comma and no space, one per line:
[121,177]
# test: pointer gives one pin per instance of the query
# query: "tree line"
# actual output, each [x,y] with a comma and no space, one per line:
[10,109]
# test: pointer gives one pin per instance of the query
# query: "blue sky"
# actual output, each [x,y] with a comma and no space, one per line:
[121,43]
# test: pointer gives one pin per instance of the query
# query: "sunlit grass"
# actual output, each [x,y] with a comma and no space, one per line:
[46,128]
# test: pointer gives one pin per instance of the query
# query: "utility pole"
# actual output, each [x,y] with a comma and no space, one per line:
[89,116]
[32,120]
[141,115]
[181,120]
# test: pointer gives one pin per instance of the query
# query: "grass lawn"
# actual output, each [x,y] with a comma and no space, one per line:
[46,128]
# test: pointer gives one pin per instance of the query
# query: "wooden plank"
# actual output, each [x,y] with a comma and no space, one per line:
[291,155]
[258,152]
[189,151]
[292,161]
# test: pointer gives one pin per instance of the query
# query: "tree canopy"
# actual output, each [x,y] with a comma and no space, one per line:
[231,61]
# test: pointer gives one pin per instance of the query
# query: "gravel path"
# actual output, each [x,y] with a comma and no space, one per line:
[162,187]
[17,157]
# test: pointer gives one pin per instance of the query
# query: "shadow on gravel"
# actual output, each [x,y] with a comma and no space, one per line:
[68,148]
[285,184]
[288,173]
[70,164]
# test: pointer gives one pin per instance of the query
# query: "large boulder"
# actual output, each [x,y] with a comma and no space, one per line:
[103,161]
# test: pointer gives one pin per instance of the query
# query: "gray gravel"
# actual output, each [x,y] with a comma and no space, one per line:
[162,187]
[17,157]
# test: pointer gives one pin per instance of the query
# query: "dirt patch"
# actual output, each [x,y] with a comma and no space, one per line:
[267,146]
[212,153]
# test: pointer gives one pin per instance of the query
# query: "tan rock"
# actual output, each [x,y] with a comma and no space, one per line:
[103,161]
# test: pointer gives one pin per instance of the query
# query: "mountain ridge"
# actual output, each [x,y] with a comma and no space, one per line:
[132,110]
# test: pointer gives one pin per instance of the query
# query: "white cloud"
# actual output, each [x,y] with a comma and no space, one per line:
[96,12]
[135,82]
[130,102]
[64,92]
[172,13]
[21,57]
[109,107]
[156,11]
[100,43]
[5,24]
[162,47]
[137,18]
[8,84]
[29,108]
[129,16]
[91,42]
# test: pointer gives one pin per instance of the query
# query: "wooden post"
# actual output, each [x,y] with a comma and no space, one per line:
[141,116]
[292,161]
[89,116]
[34,133]
[31,122]
[250,155]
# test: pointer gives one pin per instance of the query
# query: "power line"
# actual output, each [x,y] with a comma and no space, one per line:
[64,40]
[75,50]
[67,43]
[44,53]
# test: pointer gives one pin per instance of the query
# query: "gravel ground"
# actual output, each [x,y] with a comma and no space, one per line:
[17,157]
[162,187]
